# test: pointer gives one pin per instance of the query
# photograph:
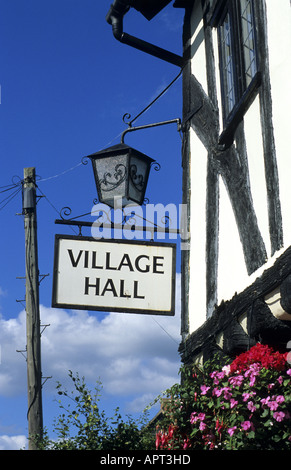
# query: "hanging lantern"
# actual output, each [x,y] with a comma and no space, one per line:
[121,172]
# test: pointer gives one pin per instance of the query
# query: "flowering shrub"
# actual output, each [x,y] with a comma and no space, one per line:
[242,405]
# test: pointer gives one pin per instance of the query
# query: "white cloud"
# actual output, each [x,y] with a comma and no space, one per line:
[129,353]
[169,21]
[134,356]
[13,442]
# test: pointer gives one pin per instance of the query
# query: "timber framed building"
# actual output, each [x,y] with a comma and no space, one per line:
[236,276]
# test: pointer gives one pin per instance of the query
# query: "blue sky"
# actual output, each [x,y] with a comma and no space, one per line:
[65,85]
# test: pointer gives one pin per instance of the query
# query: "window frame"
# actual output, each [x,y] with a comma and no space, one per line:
[244,94]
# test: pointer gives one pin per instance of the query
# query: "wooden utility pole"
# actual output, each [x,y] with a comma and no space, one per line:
[34,374]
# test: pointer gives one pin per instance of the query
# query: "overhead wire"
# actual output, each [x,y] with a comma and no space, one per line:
[10,197]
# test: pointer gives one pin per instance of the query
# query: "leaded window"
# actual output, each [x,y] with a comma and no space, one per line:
[237,53]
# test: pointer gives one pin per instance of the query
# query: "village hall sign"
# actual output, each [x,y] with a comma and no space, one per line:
[114,275]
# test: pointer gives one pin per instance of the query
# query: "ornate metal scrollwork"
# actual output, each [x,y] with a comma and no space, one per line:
[126,118]
[156,166]
[137,180]
[166,220]
[65,212]
[85,160]
[108,184]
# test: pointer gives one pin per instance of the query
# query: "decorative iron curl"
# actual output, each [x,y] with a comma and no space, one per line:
[145,201]
[129,218]
[126,119]
[85,161]
[65,212]
[166,220]
[156,166]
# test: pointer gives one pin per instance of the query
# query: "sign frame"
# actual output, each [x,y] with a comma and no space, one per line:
[123,242]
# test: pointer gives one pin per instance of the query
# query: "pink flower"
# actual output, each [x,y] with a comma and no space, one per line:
[273,405]
[279,416]
[226,393]
[280,399]
[251,406]
[202,426]
[247,425]
[217,392]
[288,372]
[233,403]
[204,389]
[280,380]
[265,401]
[236,381]
[194,417]
[253,379]
[246,396]
[231,431]
[216,376]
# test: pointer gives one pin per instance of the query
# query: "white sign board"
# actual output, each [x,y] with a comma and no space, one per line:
[114,275]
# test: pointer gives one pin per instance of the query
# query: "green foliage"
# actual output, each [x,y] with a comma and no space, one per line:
[83,426]
[243,405]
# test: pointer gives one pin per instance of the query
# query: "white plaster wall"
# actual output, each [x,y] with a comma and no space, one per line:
[232,273]
[279,30]
[198,166]
[197,274]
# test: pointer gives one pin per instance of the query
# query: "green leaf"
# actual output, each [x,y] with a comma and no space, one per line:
[265,413]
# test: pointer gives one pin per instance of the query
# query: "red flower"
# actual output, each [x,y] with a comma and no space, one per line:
[260,354]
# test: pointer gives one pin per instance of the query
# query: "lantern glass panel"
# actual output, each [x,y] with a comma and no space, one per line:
[112,176]
[138,175]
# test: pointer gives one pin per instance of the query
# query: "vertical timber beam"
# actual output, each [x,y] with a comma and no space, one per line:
[186,182]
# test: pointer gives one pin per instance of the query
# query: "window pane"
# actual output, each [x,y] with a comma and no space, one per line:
[227,64]
[248,40]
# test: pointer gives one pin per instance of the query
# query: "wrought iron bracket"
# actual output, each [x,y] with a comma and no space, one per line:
[147,126]
[150,227]
[84,223]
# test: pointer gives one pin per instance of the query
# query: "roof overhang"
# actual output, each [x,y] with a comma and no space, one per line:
[148,8]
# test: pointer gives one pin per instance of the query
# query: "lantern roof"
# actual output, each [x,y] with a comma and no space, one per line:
[119,148]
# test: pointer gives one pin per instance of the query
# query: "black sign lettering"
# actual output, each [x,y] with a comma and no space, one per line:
[122,291]
[109,287]
[135,291]
[137,265]
[156,264]
[73,261]
[125,262]
[108,254]
[94,266]
[96,285]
